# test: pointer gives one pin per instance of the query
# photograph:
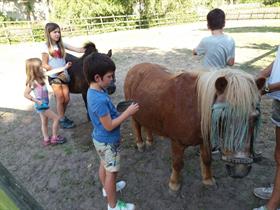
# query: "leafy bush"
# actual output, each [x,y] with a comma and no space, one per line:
[4,17]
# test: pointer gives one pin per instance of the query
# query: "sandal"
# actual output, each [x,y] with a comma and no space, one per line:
[47,142]
[57,140]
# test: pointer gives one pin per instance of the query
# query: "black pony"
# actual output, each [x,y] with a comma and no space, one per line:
[78,83]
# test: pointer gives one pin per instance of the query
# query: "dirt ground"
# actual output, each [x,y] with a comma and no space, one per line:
[65,177]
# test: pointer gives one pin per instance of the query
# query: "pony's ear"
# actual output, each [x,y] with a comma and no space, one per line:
[109,53]
[221,84]
[260,82]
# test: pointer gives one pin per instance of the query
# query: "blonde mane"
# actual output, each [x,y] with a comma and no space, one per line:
[241,94]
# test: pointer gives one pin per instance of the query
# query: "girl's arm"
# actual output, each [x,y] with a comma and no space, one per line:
[74,49]
[57,70]
[110,124]
[45,61]
[27,95]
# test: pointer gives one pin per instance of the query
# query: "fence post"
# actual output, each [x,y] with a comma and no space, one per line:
[126,19]
[71,27]
[6,33]
[157,20]
[115,24]
[140,21]
[29,23]
[101,21]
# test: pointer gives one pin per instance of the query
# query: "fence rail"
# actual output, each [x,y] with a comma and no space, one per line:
[32,31]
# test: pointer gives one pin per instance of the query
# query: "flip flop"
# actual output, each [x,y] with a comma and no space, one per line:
[122,106]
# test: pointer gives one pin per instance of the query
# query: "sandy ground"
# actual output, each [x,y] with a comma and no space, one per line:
[65,177]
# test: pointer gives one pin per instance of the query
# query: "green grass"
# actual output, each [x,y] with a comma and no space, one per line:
[6,203]
[68,150]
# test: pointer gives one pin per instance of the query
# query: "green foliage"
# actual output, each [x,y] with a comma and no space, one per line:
[6,202]
[272,2]
[69,9]
[250,1]
[4,17]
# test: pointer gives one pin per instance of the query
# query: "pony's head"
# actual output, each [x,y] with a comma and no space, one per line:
[230,116]
[91,48]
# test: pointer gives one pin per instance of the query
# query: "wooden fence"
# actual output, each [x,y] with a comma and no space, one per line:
[32,31]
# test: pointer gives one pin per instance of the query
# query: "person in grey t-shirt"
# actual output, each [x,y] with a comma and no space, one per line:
[219,48]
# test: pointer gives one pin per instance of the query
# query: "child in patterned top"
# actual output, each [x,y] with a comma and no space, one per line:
[53,57]
[35,83]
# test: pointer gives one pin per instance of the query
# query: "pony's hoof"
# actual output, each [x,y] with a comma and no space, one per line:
[149,146]
[174,187]
[140,147]
[211,181]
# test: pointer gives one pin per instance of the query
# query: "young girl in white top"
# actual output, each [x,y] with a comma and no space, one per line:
[35,83]
[53,56]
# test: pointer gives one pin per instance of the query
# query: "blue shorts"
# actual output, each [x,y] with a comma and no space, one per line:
[41,108]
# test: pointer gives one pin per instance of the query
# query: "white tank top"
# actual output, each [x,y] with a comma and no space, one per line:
[275,75]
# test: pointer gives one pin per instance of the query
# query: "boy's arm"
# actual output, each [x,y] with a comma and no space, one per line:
[231,61]
[110,124]
[200,49]
[194,52]
[231,56]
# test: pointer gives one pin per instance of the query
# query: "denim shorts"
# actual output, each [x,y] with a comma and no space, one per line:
[110,154]
[41,108]
[275,118]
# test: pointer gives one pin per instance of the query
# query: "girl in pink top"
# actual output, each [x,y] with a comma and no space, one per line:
[35,83]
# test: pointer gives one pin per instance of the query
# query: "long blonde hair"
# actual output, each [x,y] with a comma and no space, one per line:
[48,29]
[34,72]
[241,93]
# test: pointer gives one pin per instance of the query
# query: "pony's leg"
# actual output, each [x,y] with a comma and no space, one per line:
[84,94]
[205,164]
[139,140]
[177,165]
[149,140]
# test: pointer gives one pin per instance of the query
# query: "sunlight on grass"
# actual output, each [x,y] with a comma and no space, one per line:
[6,203]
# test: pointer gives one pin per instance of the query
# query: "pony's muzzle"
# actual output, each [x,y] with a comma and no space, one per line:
[111,88]
[238,167]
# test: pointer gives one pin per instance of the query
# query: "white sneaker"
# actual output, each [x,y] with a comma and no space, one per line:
[119,186]
[263,192]
[262,208]
[122,206]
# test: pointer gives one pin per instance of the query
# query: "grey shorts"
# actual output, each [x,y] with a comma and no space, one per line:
[275,118]
[110,154]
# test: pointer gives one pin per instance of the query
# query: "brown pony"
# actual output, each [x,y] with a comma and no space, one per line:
[197,108]
[78,83]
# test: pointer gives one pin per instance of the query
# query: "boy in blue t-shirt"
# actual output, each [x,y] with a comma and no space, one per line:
[219,48]
[99,70]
